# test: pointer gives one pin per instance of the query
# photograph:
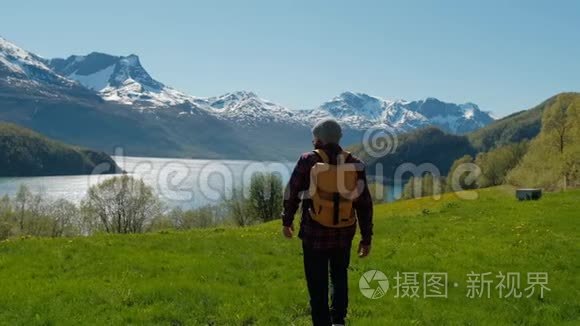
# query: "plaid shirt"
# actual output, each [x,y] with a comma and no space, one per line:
[311,232]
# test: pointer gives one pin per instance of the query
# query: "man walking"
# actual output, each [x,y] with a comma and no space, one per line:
[329,217]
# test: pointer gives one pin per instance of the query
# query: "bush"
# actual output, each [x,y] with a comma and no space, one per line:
[262,201]
[461,176]
[124,204]
[239,209]
[203,217]
[496,164]
[425,186]
[120,205]
[33,214]
[64,217]
[266,194]
[378,191]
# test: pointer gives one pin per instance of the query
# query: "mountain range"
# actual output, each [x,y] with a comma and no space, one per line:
[124,80]
[433,146]
[103,101]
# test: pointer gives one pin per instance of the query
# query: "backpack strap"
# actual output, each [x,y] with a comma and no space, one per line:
[322,155]
[342,157]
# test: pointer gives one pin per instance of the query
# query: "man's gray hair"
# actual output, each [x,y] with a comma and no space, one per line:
[328,131]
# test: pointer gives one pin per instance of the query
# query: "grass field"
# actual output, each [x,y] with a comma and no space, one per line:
[252,276]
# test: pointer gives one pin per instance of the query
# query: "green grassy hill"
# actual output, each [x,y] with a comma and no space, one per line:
[513,128]
[229,276]
[518,126]
[24,152]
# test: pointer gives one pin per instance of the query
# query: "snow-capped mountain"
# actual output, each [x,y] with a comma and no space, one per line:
[122,79]
[119,79]
[356,111]
[362,111]
[20,69]
[455,118]
[246,107]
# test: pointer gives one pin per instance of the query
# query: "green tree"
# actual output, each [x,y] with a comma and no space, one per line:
[64,218]
[557,126]
[457,172]
[7,218]
[496,164]
[239,209]
[553,159]
[378,191]
[22,202]
[266,193]
[424,186]
[121,204]
[409,188]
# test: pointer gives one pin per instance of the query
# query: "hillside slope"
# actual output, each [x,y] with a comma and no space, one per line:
[428,145]
[553,159]
[27,153]
[513,128]
[251,276]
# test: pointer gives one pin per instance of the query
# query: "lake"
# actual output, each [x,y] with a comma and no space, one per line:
[185,183]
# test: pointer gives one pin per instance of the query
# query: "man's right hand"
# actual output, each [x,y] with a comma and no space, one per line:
[288,231]
[363,250]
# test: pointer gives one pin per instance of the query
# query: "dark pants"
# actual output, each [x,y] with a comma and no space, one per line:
[316,267]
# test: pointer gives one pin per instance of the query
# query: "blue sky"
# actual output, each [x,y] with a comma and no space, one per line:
[503,55]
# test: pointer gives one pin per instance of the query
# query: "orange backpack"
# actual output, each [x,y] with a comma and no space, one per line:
[332,190]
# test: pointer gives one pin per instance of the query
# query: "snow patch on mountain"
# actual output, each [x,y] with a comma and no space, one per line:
[246,107]
[120,79]
[96,81]
[362,111]
[348,105]
[132,92]
[16,59]
[25,68]
[353,110]
[468,113]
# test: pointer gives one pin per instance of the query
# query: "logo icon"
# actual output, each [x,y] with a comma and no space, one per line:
[378,142]
[379,282]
